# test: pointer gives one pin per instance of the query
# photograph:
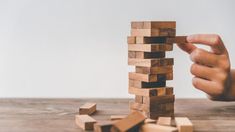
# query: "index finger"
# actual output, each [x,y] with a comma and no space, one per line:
[212,40]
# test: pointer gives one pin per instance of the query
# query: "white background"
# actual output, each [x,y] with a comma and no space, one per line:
[77,48]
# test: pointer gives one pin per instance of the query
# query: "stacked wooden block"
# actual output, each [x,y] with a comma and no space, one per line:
[147,47]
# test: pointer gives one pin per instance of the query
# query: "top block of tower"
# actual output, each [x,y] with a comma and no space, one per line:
[152,24]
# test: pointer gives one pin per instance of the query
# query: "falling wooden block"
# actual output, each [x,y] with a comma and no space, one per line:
[165,121]
[158,99]
[152,24]
[87,109]
[130,123]
[154,70]
[150,77]
[183,124]
[151,62]
[141,84]
[157,128]
[177,39]
[103,126]
[117,117]
[150,47]
[148,120]
[131,40]
[153,32]
[145,55]
[85,122]
[151,91]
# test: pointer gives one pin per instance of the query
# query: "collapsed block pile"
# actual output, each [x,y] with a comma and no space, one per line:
[147,47]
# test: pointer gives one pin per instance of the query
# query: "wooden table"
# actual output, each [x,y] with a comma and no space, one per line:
[57,115]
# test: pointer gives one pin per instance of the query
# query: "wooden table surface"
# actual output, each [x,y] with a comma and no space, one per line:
[57,115]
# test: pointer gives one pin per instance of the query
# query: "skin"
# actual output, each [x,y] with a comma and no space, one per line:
[211,69]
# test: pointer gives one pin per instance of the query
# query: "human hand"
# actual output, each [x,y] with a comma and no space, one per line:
[210,68]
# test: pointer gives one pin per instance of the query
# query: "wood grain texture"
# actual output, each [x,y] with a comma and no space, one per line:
[151,62]
[151,91]
[150,77]
[184,124]
[154,70]
[153,32]
[85,122]
[152,24]
[87,109]
[57,115]
[157,128]
[150,47]
[131,123]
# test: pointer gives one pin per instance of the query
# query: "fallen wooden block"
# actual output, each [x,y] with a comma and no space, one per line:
[152,24]
[183,124]
[103,126]
[150,77]
[165,121]
[151,62]
[153,32]
[85,122]
[130,123]
[154,70]
[157,128]
[148,120]
[145,55]
[87,109]
[117,117]
[158,99]
[150,47]
[177,39]
[141,84]
[151,91]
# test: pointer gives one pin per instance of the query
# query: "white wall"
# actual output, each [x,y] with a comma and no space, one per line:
[77,48]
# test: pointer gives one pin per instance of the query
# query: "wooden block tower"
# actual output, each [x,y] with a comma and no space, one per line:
[147,46]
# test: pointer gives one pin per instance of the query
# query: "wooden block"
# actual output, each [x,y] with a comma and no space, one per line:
[157,128]
[150,77]
[152,24]
[117,117]
[155,115]
[139,99]
[165,121]
[148,120]
[153,32]
[141,84]
[177,39]
[184,124]
[131,40]
[150,40]
[85,122]
[154,108]
[87,109]
[130,123]
[145,55]
[159,99]
[151,91]
[103,126]
[154,70]
[151,62]
[150,47]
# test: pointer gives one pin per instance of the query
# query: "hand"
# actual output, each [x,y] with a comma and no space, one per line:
[210,68]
